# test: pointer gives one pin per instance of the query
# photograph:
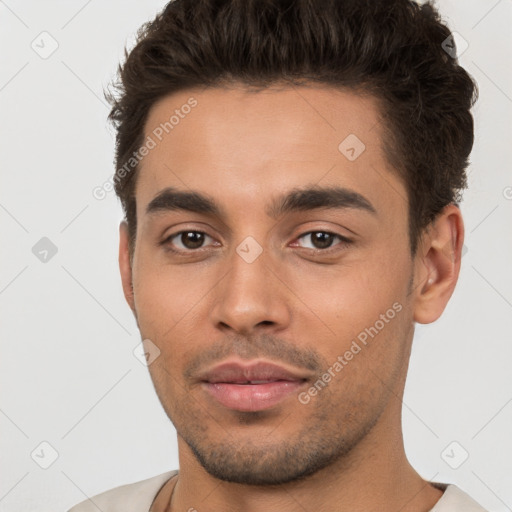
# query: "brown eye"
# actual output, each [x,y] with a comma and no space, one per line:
[192,239]
[321,240]
[186,240]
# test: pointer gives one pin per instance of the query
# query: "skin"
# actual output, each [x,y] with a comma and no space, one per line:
[344,449]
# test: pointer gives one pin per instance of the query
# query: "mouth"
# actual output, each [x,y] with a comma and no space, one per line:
[251,387]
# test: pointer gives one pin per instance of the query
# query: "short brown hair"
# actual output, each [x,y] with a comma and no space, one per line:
[392,49]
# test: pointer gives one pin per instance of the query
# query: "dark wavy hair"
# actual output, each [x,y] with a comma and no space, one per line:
[391,49]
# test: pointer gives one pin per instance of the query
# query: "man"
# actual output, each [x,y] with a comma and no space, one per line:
[289,173]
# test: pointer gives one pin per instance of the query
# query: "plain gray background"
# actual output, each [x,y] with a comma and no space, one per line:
[69,376]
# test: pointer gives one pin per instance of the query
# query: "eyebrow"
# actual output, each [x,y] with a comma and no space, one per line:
[299,199]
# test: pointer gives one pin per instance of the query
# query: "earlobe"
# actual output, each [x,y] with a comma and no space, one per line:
[125,264]
[438,265]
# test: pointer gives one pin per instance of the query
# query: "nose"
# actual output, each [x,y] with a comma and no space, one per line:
[251,297]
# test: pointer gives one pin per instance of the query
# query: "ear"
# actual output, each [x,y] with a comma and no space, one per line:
[125,265]
[437,264]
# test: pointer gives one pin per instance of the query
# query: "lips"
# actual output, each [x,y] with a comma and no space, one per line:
[251,387]
[237,373]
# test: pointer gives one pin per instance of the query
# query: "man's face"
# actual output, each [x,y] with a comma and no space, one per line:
[303,286]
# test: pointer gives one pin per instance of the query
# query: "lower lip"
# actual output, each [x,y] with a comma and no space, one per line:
[251,397]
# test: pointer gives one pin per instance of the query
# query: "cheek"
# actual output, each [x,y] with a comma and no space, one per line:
[165,295]
[353,297]
[171,303]
[364,301]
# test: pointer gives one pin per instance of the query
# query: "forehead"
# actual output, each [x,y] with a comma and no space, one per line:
[242,145]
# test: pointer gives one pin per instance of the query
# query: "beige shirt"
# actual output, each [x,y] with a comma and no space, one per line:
[139,496]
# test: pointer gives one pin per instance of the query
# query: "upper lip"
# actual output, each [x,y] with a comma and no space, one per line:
[239,373]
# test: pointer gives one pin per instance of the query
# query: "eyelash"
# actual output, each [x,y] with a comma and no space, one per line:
[344,242]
